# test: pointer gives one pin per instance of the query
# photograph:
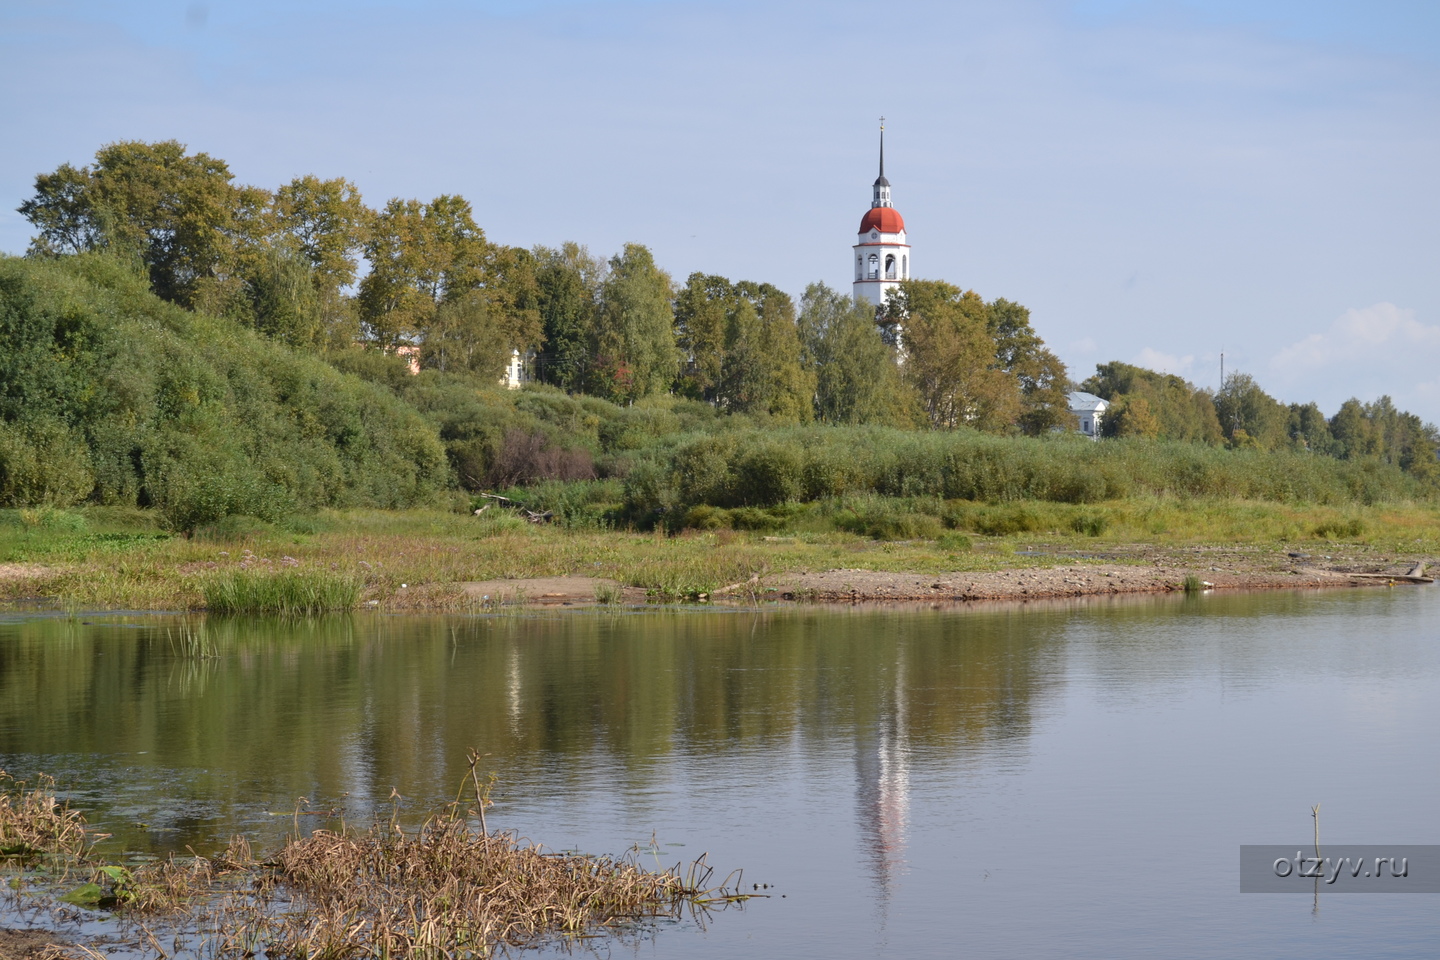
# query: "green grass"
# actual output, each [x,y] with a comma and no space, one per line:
[289,593]
[118,560]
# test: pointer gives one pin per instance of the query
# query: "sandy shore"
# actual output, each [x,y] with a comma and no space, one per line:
[1145,571]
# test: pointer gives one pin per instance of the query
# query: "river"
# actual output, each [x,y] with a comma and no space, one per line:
[1045,780]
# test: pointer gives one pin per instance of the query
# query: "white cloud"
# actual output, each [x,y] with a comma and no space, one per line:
[1380,349]
[1152,359]
[1383,332]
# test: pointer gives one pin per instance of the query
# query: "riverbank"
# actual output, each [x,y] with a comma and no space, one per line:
[1154,572]
[437,561]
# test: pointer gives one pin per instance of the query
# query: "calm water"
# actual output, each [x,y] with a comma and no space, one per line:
[1038,781]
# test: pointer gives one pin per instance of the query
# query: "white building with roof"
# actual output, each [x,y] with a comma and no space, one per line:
[1090,411]
[882,255]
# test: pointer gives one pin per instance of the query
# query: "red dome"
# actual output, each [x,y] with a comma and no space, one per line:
[884,219]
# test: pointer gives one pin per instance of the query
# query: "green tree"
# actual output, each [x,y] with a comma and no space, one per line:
[285,304]
[1309,430]
[466,334]
[567,296]
[1249,416]
[856,379]
[64,212]
[419,254]
[1044,383]
[949,356]
[1131,416]
[633,352]
[328,223]
[1180,411]
[762,372]
[702,310]
[178,213]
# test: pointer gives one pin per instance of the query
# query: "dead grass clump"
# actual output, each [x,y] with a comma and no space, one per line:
[33,821]
[450,889]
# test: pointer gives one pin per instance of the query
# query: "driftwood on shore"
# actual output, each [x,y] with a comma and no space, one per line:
[508,503]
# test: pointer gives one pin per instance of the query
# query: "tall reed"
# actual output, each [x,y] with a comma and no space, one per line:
[294,593]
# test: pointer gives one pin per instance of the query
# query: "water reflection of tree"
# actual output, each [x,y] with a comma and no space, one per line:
[341,706]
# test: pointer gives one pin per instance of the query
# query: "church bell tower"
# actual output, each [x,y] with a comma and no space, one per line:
[882,257]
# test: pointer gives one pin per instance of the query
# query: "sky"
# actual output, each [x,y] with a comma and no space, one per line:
[1159,182]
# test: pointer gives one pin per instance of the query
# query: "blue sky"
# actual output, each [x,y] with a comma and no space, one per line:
[1158,182]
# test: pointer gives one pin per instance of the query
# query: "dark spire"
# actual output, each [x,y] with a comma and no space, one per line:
[881,181]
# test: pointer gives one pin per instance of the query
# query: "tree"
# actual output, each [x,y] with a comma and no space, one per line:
[177,213]
[1380,430]
[761,372]
[1180,411]
[701,323]
[285,304]
[567,296]
[419,254]
[467,334]
[328,223]
[64,211]
[856,380]
[949,356]
[1044,383]
[1131,416]
[1249,416]
[1309,429]
[632,349]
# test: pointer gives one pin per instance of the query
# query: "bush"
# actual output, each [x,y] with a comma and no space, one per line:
[768,476]
[954,542]
[881,520]
[1339,529]
[1090,524]
[45,463]
[706,517]
[527,457]
[109,393]
[754,518]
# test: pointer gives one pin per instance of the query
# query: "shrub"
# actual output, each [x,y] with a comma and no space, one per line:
[1090,524]
[767,476]
[706,517]
[954,542]
[45,463]
[132,401]
[527,457]
[881,520]
[754,518]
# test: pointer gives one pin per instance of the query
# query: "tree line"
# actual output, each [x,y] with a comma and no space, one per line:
[310,264]
[1241,415]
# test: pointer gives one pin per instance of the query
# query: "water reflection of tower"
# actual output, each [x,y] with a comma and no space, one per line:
[882,772]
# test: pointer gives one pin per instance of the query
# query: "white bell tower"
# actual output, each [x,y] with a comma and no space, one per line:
[882,257]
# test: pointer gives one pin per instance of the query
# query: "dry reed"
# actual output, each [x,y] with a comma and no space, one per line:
[34,822]
[449,889]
